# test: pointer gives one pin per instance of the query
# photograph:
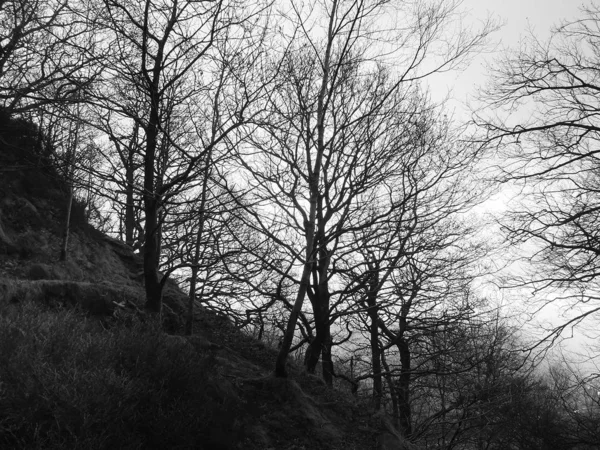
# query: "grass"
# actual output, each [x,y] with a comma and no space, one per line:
[68,382]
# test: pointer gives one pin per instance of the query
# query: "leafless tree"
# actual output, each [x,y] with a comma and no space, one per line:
[326,148]
[163,75]
[120,173]
[540,112]
[44,53]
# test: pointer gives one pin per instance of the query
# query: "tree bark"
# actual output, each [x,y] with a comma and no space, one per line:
[326,356]
[321,345]
[151,205]
[373,312]
[129,201]
[288,337]
[375,353]
[312,355]
[151,259]
[392,386]
[313,351]
[404,388]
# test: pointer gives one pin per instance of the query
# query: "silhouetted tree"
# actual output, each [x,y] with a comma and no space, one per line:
[325,147]
[44,53]
[165,78]
[540,112]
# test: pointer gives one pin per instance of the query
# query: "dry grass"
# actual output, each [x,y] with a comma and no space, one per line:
[67,383]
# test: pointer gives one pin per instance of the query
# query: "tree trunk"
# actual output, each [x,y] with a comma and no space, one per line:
[313,351]
[375,357]
[151,204]
[73,142]
[374,336]
[65,239]
[326,358]
[129,203]
[151,259]
[355,383]
[288,337]
[321,345]
[189,323]
[201,221]
[314,175]
[392,387]
[312,355]
[404,388]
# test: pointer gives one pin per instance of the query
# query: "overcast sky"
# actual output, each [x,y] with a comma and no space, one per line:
[517,17]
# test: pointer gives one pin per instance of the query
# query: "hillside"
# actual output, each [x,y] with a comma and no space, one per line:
[82,366]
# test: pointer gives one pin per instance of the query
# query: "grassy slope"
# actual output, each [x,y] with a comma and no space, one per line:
[82,367]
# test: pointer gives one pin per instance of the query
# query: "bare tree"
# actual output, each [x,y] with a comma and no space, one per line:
[44,53]
[120,174]
[541,114]
[325,151]
[162,79]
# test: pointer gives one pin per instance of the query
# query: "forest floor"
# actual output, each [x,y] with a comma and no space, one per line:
[82,366]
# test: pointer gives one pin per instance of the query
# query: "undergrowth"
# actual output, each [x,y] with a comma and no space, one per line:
[67,382]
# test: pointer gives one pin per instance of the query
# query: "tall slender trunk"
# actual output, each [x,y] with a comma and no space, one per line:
[326,356]
[392,387]
[288,337]
[313,353]
[404,388]
[128,159]
[151,259]
[73,142]
[354,382]
[373,312]
[314,175]
[152,194]
[323,343]
[375,351]
[189,324]
[129,201]
[65,240]
[151,205]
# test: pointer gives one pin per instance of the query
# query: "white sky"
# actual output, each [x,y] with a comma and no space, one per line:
[517,17]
